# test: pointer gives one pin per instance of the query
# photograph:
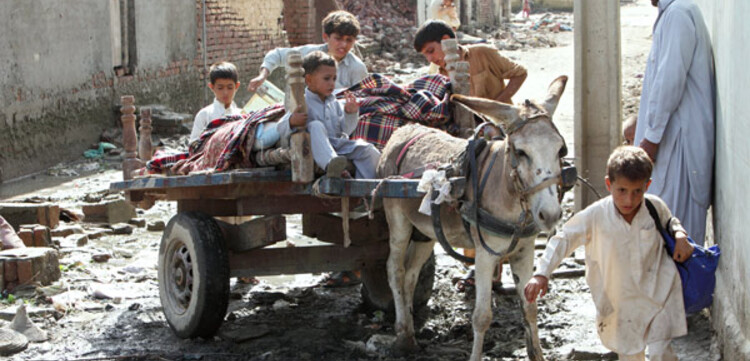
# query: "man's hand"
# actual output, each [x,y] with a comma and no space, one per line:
[298,120]
[683,250]
[256,82]
[351,105]
[535,285]
[650,148]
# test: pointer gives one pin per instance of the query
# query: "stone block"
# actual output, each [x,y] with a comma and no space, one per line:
[29,265]
[16,214]
[66,230]
[112,211]
[138,222]
[156,226]
[122,228]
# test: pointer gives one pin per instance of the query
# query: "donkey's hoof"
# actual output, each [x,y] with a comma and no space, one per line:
[403,347]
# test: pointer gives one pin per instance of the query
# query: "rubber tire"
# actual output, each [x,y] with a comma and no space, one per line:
[376,294]
[200,237]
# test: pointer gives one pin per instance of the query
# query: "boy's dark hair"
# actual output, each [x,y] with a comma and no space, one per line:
[432,30]
[223,70]
[315,59]
[630,162]
[341,22]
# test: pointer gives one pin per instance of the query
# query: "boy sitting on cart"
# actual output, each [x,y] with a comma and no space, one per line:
[330,122]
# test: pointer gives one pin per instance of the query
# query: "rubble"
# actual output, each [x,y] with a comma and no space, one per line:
[387,34]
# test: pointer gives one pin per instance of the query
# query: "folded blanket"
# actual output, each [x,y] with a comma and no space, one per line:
[223,145]
[385,106]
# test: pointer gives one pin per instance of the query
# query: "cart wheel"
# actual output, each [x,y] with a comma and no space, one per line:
[376,294]
[193,275]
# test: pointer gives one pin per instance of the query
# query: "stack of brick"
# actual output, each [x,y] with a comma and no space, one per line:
[391,25]
[35,235]
[16,214]
[26,266]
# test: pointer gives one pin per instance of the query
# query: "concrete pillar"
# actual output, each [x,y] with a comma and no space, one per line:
[421,11]
[598,110]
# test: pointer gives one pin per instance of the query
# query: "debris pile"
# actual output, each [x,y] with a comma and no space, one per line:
[387,36]
[387,32]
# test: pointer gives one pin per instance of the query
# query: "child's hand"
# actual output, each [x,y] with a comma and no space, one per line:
[535,285]
[255,83]
[351,105]
[683,250]
[298,120]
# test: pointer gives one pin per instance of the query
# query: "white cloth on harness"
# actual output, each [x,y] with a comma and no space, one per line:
[433,179]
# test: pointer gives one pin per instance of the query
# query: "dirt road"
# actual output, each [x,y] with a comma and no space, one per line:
[115,312]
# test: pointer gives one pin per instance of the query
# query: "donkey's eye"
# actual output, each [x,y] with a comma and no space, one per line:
[521,154]
[563,152]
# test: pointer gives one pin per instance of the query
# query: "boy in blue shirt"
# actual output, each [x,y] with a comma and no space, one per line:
[330,122]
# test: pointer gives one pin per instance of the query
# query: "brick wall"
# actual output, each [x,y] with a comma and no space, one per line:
[58,101]
[240,32]
[299,21]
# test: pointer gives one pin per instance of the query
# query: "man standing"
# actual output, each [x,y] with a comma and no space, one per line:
[676,117]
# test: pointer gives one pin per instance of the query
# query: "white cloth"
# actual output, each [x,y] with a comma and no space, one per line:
[330,127]
[634,283]
[433,179]
[349,71]
[677,112]
[214,111]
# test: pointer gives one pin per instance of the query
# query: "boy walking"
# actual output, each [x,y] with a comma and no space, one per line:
[330,122]
[635,285]
[488,70]
[340,30]
[224,83]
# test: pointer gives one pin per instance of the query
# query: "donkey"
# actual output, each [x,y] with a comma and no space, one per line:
[521,174]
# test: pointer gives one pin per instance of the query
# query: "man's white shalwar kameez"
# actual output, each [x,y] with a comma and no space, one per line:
[634,283]
[677,112]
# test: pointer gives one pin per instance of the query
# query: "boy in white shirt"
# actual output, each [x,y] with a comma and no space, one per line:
[340,30]
[330,122]
[224,83]
[635,285]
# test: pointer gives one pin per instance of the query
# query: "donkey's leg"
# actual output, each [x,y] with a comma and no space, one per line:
[483,268]
[400,229]
[418,254]
[522,265]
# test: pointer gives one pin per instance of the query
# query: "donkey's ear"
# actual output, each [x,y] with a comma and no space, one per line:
[554,92]
[500,114]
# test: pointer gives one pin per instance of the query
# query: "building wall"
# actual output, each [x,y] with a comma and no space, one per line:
[63,72]
[730,34]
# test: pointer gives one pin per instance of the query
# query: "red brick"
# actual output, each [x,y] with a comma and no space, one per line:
[42,236]
[27,236]
[11,272]
[25,273]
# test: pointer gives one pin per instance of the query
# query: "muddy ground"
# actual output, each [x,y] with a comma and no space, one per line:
[113,311]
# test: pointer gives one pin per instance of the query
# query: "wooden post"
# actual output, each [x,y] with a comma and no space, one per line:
[129,137]
[459,74]
[302,160]
[144,146]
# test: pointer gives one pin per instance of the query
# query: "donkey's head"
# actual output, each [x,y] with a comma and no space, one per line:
[534,148]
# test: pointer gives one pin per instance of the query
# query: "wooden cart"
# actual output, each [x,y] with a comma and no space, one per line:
[199,253]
